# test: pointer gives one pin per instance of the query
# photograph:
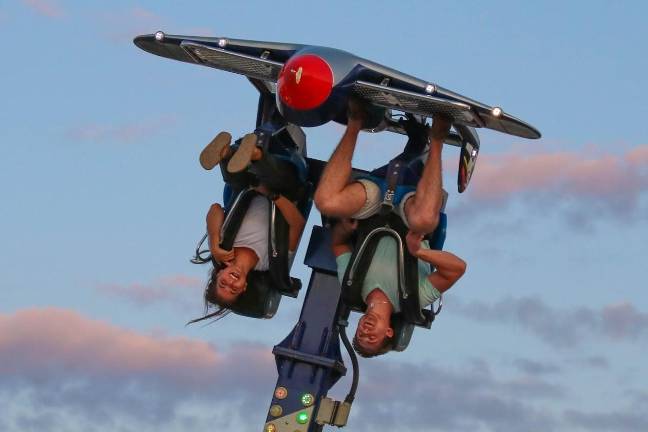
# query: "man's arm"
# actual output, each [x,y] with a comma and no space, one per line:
[335,196]
[294,218]
[449,267]
[215,219]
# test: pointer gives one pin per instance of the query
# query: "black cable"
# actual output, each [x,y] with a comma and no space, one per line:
[354,362]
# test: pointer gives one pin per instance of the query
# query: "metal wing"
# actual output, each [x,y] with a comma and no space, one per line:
[395,90]
[256,60]
[243,64]
[410,102]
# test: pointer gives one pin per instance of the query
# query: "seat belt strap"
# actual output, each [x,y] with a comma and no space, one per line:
[391,182]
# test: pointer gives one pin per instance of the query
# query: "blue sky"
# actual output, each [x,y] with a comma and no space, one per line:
[103,201]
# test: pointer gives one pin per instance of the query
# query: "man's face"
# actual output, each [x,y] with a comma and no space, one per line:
[372,331]
[230,283]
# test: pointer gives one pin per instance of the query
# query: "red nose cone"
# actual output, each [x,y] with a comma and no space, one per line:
[305,82]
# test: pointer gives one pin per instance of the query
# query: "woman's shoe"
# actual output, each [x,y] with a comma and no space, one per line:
[215,151]
[243,156]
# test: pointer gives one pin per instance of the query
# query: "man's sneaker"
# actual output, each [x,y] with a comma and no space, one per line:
[215,150]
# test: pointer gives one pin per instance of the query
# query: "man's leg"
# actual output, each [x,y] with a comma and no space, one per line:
[422,209]
[336,195]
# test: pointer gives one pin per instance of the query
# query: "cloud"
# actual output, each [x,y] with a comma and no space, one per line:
[619,421]
[562,328]
[534,367]
[124,133]
[596,362]
[460,399]
[47,8]
[62,369]
[582,185]
[59,362]
[34,341]
[180,291]
[622,320]
[638,397]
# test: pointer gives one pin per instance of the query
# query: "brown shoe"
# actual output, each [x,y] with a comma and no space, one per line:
[241,159]
[215,150]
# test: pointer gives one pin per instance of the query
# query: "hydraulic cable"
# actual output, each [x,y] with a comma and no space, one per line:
[354,362]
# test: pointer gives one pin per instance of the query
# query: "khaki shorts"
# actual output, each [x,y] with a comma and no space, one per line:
[374,201]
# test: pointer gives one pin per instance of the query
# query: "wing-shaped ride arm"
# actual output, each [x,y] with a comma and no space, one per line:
[254,59]
[395,90]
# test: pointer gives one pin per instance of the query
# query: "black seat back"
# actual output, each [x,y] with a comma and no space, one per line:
[260,299]
[403,331]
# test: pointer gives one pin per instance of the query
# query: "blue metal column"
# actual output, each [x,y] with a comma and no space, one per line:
[309,362]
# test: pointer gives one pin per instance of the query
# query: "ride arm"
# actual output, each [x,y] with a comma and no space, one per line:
[449,267]
[215,219]
[294,218]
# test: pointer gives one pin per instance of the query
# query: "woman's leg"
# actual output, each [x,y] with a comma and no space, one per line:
[278,174]
[237,181]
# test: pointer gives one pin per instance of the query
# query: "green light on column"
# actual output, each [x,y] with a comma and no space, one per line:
[302,417]
[307,399]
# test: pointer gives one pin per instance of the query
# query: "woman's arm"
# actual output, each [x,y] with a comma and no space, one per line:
[294,218]
[215,219]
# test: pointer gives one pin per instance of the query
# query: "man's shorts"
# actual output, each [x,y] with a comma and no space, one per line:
[375,198]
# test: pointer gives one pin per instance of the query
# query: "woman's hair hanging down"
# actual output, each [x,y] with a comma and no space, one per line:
[211,301]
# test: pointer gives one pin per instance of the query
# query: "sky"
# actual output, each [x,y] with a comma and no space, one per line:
[103,201]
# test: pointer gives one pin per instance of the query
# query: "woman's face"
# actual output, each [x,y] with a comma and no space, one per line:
[230,283]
